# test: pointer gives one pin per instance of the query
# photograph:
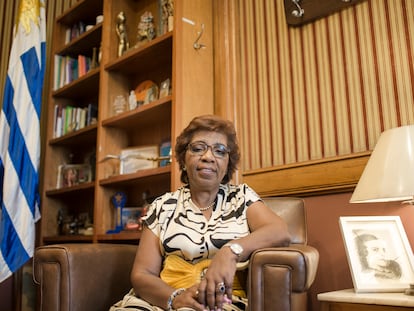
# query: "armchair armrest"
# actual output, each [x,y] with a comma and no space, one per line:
[281,277]
[82,276]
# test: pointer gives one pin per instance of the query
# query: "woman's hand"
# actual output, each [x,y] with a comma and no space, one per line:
[215,289]
[188,298]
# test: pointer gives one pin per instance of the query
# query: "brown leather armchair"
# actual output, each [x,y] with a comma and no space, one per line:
[80,277]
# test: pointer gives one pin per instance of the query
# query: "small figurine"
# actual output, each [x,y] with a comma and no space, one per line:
[121,31]
[167,15]
[146,28]
[132,100]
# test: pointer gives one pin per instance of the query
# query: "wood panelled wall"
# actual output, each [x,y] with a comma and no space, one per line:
[314,99]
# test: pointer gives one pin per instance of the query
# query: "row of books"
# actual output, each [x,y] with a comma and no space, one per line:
[68,69]
[68,118]
[80,27]
[75,31]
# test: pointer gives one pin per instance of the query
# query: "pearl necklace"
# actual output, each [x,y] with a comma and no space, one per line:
[203,209]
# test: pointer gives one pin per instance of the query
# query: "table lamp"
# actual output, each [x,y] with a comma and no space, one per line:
[389,173]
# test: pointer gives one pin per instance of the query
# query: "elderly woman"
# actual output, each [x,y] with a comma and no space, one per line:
[195,238]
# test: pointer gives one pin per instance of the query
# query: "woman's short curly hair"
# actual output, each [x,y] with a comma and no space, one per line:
[214,124]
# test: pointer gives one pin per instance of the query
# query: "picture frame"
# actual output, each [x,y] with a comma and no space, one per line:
[73,174]
[378,252]
[131,218]
[134,159]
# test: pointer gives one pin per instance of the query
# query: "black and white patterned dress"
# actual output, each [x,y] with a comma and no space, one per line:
[185,232]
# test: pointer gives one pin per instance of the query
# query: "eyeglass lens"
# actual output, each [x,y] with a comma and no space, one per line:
[200,148]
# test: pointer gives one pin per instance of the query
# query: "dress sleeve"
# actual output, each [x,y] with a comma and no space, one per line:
[160,211]
[150,219]
[250,195]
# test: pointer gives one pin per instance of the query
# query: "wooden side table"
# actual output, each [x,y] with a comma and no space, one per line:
[348,300]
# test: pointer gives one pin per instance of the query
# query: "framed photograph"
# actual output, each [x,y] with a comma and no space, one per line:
[379,254]
[73,174]
[131,218]
[138,158]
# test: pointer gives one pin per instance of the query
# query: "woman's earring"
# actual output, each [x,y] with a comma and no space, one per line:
[184,168]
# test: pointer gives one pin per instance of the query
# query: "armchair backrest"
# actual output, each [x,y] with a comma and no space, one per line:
[292,211]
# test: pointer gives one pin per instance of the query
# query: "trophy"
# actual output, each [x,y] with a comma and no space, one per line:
[118,200]
[121,31]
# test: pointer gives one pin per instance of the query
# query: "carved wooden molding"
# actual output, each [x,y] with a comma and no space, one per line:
[299,12]
[339,174]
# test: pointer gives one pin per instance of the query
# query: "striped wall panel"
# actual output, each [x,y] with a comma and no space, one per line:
[326,89]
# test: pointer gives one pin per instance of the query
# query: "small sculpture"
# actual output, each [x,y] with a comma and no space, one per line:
[167,15]
[121,31]
[146,28]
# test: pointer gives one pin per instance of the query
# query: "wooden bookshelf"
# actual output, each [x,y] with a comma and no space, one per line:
[170,55]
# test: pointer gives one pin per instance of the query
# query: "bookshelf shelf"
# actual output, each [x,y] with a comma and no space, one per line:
[87,186]
[144,176]
[87,135]
[82,44]
[144,115]
[154,53]
[80,87]
[67,239]
[85,10]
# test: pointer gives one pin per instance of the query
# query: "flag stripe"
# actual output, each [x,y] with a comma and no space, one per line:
[34,76]
[20,157]
[11,247]
[28,118]
[17,148]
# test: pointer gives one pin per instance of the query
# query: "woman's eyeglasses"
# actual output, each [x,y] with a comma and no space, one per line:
[200,148]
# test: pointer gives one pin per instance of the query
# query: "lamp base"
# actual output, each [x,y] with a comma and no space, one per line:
[410,291]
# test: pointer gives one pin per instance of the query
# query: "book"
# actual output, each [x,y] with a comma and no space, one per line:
[67,127]
[92,115]
[165,150]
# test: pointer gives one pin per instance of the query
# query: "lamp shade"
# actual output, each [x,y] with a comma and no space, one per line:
[389,173]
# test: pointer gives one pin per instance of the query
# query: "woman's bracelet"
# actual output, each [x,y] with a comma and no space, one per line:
[172,297]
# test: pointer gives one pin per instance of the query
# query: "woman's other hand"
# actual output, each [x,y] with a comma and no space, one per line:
[188,299]
[215,289]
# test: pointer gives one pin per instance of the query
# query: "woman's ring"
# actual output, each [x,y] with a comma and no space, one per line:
[221,288]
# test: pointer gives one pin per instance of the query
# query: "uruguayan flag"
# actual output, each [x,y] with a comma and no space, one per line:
[20,138]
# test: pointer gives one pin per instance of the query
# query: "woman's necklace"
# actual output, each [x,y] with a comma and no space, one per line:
[203,209]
